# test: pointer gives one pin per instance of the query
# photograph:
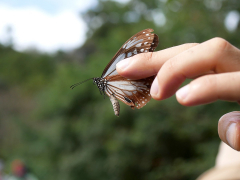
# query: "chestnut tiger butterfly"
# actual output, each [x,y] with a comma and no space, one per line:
[134,93]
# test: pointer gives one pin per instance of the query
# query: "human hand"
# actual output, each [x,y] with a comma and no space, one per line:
[215,67]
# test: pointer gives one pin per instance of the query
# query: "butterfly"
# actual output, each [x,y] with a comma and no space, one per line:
[134,93]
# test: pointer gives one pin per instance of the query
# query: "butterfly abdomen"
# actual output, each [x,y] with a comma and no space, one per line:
[115,104]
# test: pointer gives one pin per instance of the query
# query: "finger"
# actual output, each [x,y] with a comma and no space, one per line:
[148,64]
[210,88]
[229,129]
[215,55]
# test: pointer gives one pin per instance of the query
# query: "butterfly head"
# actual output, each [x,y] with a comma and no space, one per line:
[101,83]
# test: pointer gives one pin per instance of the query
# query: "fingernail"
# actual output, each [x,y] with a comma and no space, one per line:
[123,64]
[154,88]
[231,135]
[183,92]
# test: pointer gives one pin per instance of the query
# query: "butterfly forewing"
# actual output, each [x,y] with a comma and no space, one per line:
[142,42]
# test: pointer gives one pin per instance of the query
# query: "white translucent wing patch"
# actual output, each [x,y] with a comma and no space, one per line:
[112,90]
[133,93]
[132,43]
[116,87]
[129,54]
[112,69]
[128,85]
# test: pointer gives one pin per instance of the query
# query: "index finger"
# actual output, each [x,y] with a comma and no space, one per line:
[148,64]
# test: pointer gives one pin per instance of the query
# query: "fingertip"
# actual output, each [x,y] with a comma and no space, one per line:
[157,92]
[135,67]
[120,66]
[182,93]
[154,91]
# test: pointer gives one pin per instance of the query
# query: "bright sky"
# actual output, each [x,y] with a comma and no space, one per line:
[46,25]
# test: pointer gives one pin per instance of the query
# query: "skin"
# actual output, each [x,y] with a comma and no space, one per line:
[214,66]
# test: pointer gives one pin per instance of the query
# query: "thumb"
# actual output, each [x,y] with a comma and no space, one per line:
[229,129]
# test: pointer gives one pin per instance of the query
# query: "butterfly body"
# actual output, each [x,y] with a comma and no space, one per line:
[134,93]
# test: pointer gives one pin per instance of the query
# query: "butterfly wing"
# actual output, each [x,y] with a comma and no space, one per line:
[142,42]
[134,93]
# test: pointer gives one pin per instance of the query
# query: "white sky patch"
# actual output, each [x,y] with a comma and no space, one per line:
[46,32]
[46,25]
[52,6]
[232,20]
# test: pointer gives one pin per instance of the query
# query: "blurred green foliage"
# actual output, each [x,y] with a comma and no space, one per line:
[73,134]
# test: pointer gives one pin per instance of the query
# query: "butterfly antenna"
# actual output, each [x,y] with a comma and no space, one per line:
[74,85]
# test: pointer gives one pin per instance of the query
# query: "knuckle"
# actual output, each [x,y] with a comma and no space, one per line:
[216,48]
[213,84]
[150,59]
[207,81]
[219,44]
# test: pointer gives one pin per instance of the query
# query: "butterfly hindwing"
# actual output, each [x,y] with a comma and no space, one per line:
[134,93]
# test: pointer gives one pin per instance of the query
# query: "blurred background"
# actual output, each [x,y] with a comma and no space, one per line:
[59,133]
